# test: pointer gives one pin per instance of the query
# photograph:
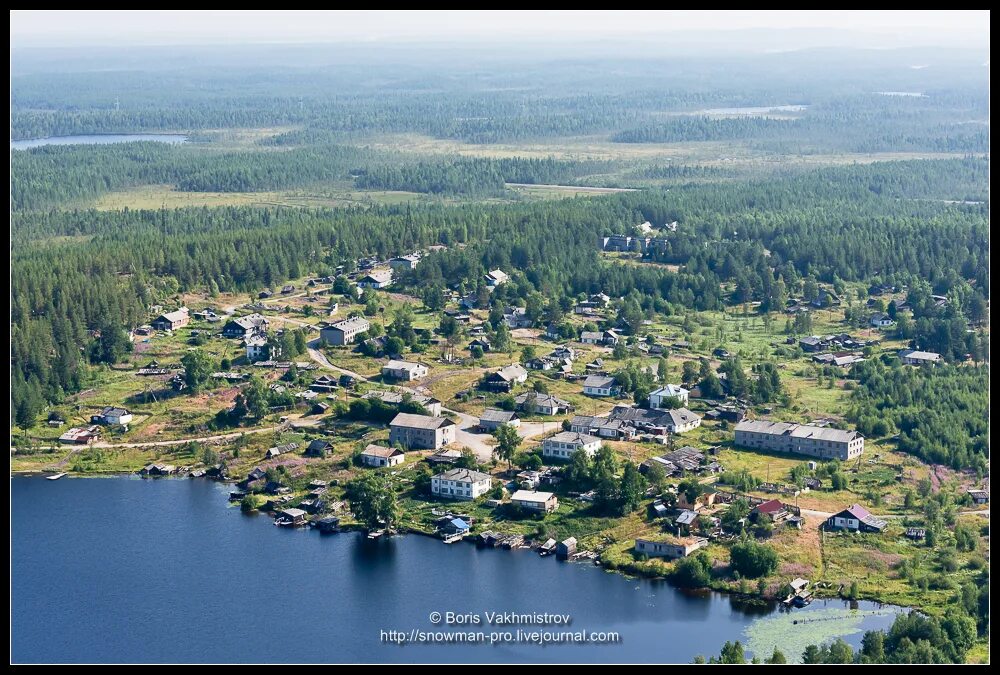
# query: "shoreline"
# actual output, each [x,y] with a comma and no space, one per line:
[626,571]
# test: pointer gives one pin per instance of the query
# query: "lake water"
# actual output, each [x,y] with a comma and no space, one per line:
[96,139]
[131,570]
[755,111]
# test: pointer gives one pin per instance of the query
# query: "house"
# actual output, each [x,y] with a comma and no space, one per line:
[803,439]
[481,342]
[600,385]
[773,510]
[318,448]
[670,547]
[403,370]
[686,518]
[534,403]
[280,450]
[679,462]
[505,378]
[405,262]
[379,455]
[421,431]
[658,509]
[563,352]
[566,548]
[376,279]
[496,278]
[287,288]
[532,500]
[172,320]
[839,359]
[881,320]
[464,484]
[344,332]
[658,397]
[492,419]
[81,435]
[680,420]
[855,518]
[602,427]
[979,496]
[517,317]
[111,416]
[324,383]
[552,331]
[245,326]
[565,443]
[258,348]
[813,483]
[912,357]
[813,343]
[590,337]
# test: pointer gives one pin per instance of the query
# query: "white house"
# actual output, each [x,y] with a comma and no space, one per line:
[111,416]
[657,398]
[421,431]
[565,443]
[344,332]
[855,518]
[681,420]
[531,500]
[881,320]
[258,349]
[464,484]
[912,357]
[379,455]
[600,385]
[376,279]
[404,370]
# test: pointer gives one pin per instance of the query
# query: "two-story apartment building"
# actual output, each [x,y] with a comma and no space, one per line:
[421,431]
[464,484]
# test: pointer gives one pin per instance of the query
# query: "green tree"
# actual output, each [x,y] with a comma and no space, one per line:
[373,500]
[633,488]
[197,369]
[256,397]
[753,560]
[732,653]
[508,441]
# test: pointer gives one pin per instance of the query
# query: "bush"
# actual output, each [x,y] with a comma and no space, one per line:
[753,560]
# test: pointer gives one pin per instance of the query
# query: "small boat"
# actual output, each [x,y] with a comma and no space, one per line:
[376,534]
[55,476]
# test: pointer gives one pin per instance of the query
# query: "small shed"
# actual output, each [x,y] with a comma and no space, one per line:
[566,548]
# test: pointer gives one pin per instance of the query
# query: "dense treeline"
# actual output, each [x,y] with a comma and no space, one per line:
[55,175]
[940,413]
[85,269]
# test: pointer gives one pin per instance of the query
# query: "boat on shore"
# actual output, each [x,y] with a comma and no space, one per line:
[56,476]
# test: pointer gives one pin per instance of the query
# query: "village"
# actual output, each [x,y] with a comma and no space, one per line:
[492,422]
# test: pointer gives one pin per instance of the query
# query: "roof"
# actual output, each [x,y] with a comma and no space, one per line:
[574,437]
[798,430]
[111,411]
[540,400]
[176,315]
[670,390]
[498,275]
[378,276]
[680,416]
[463,475]
[401,365]
[922,356]
[515,371]
[532,496]
[599,382]
[459,524]
[494,415]
[374,450]
[687,517]
[395,397]
[420,421]
[591,335]
[249,321]
[858,511]
[318,444]
[772,506]
[350,324]
[294,513]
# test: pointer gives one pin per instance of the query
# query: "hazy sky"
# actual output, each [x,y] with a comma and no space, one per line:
[103,27]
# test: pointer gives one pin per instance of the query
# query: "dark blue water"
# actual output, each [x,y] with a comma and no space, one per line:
[96,139]
[131,570]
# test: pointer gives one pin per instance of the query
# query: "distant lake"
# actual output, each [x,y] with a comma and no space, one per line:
[96,139]
[762,110]
[130,570]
